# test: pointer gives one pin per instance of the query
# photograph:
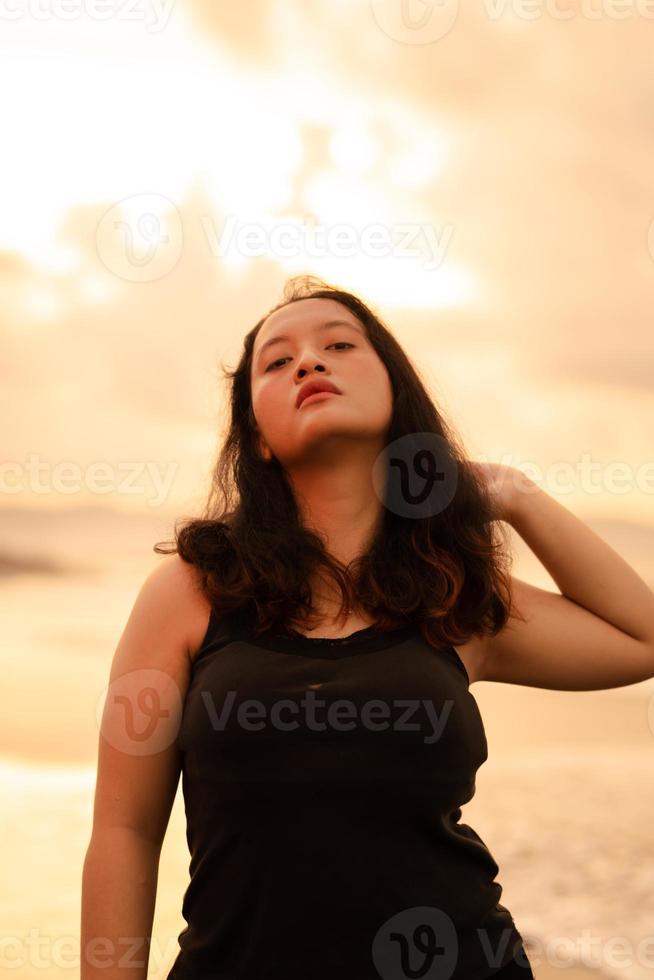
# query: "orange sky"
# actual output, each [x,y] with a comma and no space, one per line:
[510,155]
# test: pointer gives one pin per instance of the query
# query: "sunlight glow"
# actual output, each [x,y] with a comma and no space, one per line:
[60,259]
[41,304]
[353,148]
[95,289]
[211,123]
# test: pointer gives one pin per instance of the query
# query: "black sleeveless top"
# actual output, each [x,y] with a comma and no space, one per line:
[323,782]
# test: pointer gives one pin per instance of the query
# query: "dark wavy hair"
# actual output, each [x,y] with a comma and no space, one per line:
[450,571]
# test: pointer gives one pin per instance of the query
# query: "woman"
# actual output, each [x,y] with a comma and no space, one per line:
[307,653]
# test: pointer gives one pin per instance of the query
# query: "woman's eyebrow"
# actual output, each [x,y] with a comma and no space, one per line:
[321,326]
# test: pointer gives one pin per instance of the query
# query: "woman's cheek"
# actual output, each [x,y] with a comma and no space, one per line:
[272,401]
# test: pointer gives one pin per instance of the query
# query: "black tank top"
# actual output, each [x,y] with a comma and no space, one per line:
[323,782]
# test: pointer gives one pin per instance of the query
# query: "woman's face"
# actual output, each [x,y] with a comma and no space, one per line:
[313,348]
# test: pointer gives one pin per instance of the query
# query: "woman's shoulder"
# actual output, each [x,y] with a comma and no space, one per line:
[179,583]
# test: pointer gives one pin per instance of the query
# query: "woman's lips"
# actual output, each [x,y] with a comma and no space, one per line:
[316,395]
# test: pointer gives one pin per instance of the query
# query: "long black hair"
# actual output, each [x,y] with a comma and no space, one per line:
[449,571]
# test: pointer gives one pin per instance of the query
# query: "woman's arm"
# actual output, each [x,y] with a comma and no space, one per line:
[598,632]
[139,763]
[119,887]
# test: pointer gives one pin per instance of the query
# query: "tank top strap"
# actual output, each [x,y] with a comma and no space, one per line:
[452,654]
[220,630]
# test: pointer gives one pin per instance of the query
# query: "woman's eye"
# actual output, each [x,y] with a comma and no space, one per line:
[279,359]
